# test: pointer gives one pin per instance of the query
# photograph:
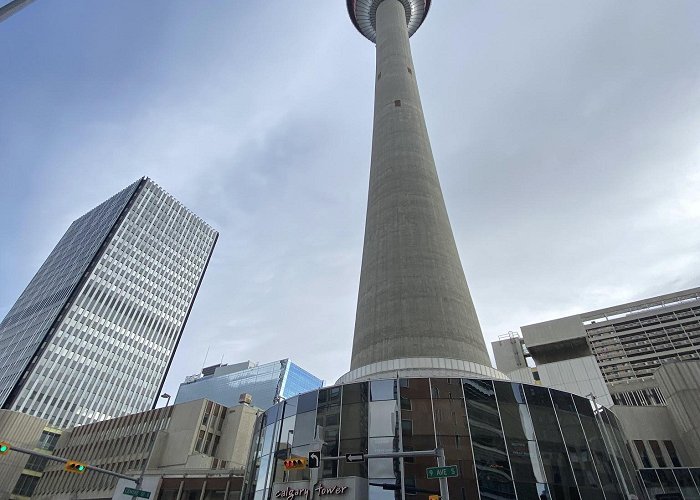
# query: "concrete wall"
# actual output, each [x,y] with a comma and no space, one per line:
[579,375]
[650,423]
[522,375]
[21,430]
[182,434]
[237,435]
[509,354]
[680,384]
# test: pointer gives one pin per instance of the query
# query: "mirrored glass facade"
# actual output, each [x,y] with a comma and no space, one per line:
[677,482]
[508,440]
[95,331]
[267,384]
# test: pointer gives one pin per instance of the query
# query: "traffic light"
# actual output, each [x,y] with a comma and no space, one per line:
[295,463]
[75,467]
[434,497]
[4,447]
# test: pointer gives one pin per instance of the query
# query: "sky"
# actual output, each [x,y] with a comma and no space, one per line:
[565,135]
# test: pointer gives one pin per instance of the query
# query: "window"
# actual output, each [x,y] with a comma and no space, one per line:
[672,453]
[642,451]
[656,449]
[25,485]
[48,441]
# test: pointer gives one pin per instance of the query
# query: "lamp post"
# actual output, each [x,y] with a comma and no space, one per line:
[166,395]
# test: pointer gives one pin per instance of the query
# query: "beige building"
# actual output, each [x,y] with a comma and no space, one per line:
[20,473]
[180,440]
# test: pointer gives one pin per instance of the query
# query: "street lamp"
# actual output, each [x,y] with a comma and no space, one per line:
[166,395]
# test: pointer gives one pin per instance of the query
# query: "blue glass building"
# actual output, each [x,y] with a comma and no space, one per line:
[267,383]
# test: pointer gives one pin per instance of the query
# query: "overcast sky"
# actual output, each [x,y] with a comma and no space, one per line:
[566,136]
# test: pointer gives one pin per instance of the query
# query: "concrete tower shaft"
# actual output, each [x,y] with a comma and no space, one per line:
[413,299]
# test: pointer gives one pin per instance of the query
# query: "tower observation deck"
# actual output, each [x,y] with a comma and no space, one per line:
[415,314]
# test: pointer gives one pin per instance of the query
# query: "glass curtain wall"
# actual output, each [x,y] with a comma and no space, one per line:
[508,441]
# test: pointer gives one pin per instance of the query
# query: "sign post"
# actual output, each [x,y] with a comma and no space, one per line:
[440,472]
[137,493]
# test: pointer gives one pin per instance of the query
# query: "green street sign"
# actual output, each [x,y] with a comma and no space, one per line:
[438,472]
[137,493]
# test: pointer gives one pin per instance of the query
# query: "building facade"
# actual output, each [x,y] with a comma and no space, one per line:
[508,440]
[198,437]
[93,334]
[267,383]
[19,474]
[640,359]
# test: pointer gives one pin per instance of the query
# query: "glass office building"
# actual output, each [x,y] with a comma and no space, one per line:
[508,441]
[93,334]
[683,482]
[267,383]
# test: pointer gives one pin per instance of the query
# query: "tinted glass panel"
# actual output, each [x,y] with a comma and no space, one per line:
[490,456]
[576,446]
[552,449]
[382,390]
[307,402]
[651,482]
[686,484]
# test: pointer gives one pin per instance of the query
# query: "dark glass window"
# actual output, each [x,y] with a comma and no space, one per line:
[596,445]
[668,481]
[355,393]
[672,453]
[304,428]
[576,446]
[25,485]
[354,424]
[686,484]
[520,437]
[452,429]
[36,463]
[307,401]
[552,449]
[656,450]
[642,452]
[272,413]
[490,456]
[48,441]
[290,406]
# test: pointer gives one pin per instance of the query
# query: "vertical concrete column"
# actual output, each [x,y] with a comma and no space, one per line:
[413,299]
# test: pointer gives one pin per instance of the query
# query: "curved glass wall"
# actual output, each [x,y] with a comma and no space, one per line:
[508,441]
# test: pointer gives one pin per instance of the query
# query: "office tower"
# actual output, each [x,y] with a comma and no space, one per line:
[267,384]
[414,309]
[93,334]
[420,377]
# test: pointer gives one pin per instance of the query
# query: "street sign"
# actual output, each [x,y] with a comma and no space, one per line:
[137,493]
[314,459]
[438,472]
[355,457]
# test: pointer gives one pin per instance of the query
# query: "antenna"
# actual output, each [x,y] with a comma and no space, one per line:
[205,358]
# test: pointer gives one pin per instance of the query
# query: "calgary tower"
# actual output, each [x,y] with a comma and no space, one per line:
[415,314]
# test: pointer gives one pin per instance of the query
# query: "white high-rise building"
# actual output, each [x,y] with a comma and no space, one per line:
[93,334]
